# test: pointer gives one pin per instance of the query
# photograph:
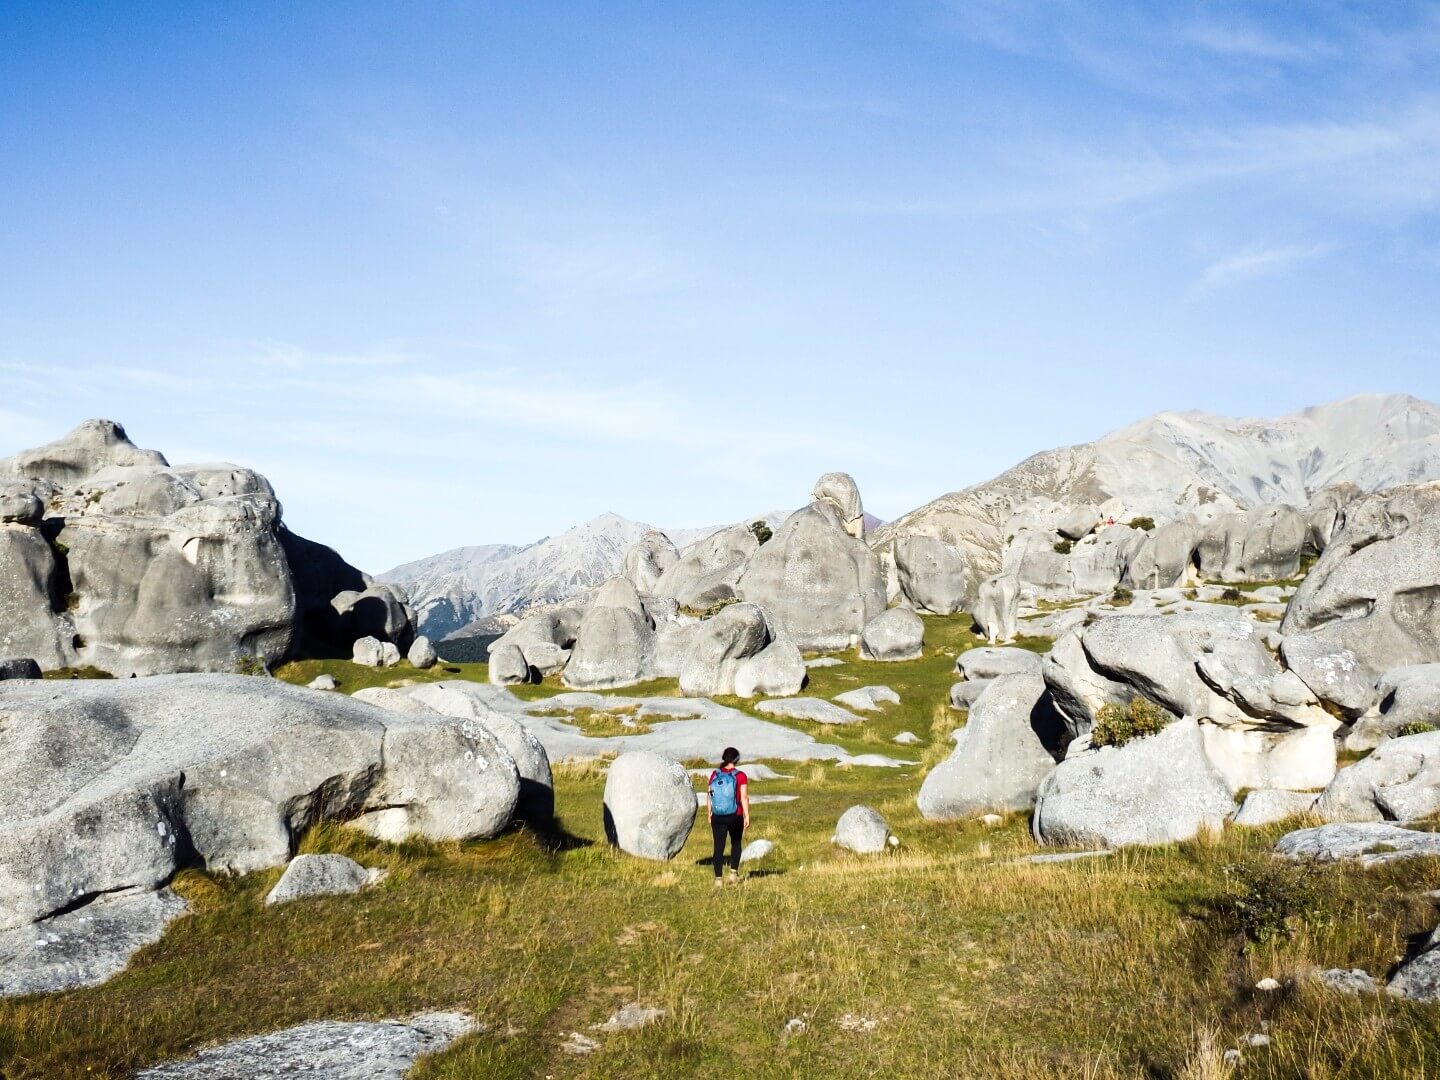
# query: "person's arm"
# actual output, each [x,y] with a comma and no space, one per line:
[745,803]
[709,808]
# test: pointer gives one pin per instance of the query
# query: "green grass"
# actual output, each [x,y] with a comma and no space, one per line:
[975,964]
[350,676]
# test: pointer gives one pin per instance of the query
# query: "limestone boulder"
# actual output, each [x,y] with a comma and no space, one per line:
[1098,563]
[1409,698]
[422,653]
[819,585]
[1400,781]
[839,490]
[1154,790]
[616,642]
[1418,978]
[718,645]
[1265,806]
[862,830]
[1370,843]
[544,639]
[379,611]
[778,670]
[868,698]
[897,634]
[707,571]
[932,574]
[992,663]
[1163,559]
[649,806]
[1373,599]
[963,695]
[508,667]
[1000,757]
[648,559]
[1078,690]
[371,652]
[1078,522]
[320,875]
[997,608]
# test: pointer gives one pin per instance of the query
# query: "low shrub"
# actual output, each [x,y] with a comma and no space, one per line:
[1063,547]
[251,665]
[762,531]
[1232,595]
[1116,725]
[1145,524]
[1414,727]
[1270,899]
[1121,597]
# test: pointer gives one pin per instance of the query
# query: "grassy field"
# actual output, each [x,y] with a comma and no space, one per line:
[950,956]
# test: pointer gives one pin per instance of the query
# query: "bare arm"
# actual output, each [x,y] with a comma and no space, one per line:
[745,803]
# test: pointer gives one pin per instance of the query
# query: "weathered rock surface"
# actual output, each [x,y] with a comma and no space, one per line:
[616,641]
[111,785]
[1374,596]
[839,490]
[1153,790]
[85,946]
[861,830]
[321,875]
[1077,688]
[1400,781]
[991,663]
[997,608]
[756,850]
[1348,981]
[1408,697]
[933,575]
[707,571]
[422,653]
[326,1050]
[1368,842]
[648,560]
[963,695]
[19,669]
[508,667]
[778,670]
[999,758]
[1418,979]
[323,681]
[715,648]
[1265,806]
[649,805]
[897,634]
[817,710]
[868,698]
[372,652]
[819,584]
[1162,560]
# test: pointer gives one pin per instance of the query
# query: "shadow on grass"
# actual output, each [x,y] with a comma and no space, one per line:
[552,835]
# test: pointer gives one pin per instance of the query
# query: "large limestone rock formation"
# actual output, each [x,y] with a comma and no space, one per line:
[718,646]
[137,567]
[838,489]
[1153,790]
[111,786]
[818,583]
[1400,781]
[933,575]
[615,643]
[707,571]
[1000,755]
[997,608]
[1372,602]
[647,561]
[649,805]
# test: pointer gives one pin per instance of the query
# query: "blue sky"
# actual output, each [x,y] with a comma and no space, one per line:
[454,273]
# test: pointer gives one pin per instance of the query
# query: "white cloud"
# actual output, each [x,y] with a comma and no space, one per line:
[1252,43]
[1256,263]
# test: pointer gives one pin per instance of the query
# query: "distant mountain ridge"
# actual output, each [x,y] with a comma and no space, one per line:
[1173,463]
[457,588]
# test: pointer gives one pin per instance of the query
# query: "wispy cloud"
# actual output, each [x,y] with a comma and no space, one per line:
[603,264]
[1245,41]
[1256,262]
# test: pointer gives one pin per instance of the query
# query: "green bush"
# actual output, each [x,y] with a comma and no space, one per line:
[1116,725]
[1121,597]
[1266,900]
[251,665]
[718,605]
[762,531]
[1143,523]
[1063,547]
[1232,595]
[1415,727]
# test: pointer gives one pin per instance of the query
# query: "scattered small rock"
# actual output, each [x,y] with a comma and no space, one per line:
[321,875]
[1268,985]
[854,1022]
[990,820]
[861,830]
[1351,981]
[1258,1040]
[794,1026]
[1068,856]
[906,738]
[578,1044]
[756,850]
[1232,1057]
[825,661]
[630,1017]
[323,682]
[868,698]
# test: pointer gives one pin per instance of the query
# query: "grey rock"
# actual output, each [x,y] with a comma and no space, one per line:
[1264,806]
[1097,564]
[543,637]
[932,574]
[324,681]
[1067,856]
[906,738]
[648,560]
[819,584]
[1152,790]
[422,654]
[649,805]
[1407,696]
[990,663]
[325,1050]
[718,645]
[708,570]
[1370,843]
[630,1017]
[616,641]
[824,661]
[963,695]
[1079,522]
[321,875]
[379,611]
[578,1045]
[1418,979]
[816,710]
[84,946]
[371,652]
[868,698]
[1373,594]
[775,671]
[861,830]
[1348,981]
[19,505]
[94,445]
[1077,688]
[30,587]
[19,669]
[840,491]
[997,608]
[999,758]
[1400,781]
[1262,544]
[508,667]
[1162,560]
[1333,672]
[756,850]
[897,634]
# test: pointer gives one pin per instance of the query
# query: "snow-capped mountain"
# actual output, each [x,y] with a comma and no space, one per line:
[1172,463]
[457,588]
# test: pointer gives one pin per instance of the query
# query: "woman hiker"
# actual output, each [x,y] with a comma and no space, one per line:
[729,810]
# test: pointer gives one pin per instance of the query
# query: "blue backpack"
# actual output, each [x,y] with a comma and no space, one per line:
[722,792]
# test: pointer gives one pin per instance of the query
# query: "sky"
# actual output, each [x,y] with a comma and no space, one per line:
[469,273]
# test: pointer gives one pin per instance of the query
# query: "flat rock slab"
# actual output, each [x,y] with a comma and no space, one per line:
[756,850]
[868,698]
[1369,842]
[816,710]
[327,1050]
[321,875]
[825,661]
[630,1017]
[85,946]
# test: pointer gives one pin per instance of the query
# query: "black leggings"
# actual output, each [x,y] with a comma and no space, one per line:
[721,826]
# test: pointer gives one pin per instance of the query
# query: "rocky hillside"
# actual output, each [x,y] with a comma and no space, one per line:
[458,588]
[1174,463]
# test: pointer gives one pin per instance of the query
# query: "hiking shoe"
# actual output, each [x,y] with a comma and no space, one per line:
[734,875]
[719,882]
